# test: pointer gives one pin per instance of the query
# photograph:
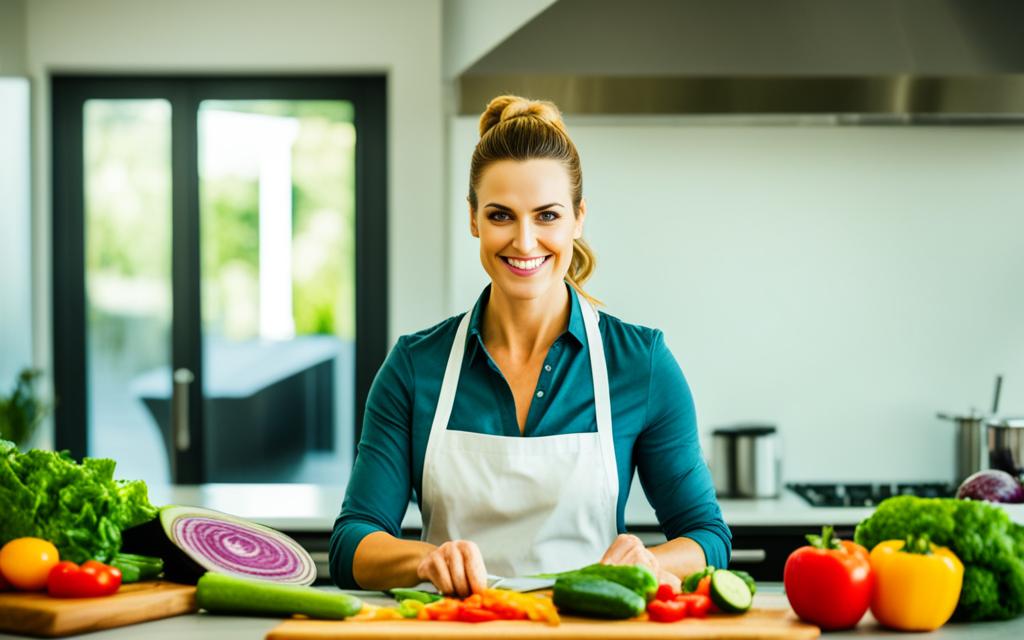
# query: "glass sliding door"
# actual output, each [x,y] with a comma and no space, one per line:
[219,273]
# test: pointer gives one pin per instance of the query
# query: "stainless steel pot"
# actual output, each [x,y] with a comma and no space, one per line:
[1006,445]
[970,449]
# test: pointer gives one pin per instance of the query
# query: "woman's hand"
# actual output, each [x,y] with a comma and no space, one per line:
[628,549]
[455,567]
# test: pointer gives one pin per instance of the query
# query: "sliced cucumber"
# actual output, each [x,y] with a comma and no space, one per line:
[729,592]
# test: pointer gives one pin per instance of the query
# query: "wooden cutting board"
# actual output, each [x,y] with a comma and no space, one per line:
[762,624]
[37,614]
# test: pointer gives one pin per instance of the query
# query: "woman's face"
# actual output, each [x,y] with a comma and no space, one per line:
[526,225]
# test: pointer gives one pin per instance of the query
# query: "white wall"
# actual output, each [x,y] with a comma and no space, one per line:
[845,283]
[399,37]
[15,223]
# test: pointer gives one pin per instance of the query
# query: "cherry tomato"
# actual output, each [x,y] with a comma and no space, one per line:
[91,580]
[26,562]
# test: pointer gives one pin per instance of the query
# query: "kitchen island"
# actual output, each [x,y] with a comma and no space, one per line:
[201,626]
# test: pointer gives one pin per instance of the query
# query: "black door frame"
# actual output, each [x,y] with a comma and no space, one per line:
[68,96]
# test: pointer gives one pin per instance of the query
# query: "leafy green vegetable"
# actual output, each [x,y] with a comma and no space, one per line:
[80,508]
[990,545]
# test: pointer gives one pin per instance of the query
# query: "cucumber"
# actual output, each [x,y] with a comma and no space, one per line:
[589,595]
[749,579]
[632,576]
[219,593]
[729,592]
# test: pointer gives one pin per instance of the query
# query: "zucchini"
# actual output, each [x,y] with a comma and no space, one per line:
[729,592]
[590,595]
[632,576]
[218,593]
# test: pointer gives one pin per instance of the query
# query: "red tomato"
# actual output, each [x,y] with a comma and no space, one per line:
[829,582]
[666,610]
[697,606]
[665,592]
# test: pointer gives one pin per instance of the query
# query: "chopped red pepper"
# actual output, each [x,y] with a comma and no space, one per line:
[476,614]
[666,610]
[91,580]
[697,605]
[665,592]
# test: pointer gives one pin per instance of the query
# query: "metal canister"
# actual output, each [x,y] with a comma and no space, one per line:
[758,462]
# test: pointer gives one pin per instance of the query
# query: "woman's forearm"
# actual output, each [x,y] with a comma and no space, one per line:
[680,556]
[382,561]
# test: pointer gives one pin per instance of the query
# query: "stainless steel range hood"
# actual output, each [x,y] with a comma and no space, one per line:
[864,61]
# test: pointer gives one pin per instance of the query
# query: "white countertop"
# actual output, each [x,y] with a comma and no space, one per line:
[313,508]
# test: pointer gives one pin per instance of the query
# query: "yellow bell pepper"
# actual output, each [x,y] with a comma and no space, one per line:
[917,584]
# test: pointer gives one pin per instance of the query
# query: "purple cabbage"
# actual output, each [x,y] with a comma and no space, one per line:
[992,485]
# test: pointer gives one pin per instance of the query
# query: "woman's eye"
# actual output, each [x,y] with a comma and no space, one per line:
[548,216]
[498,216]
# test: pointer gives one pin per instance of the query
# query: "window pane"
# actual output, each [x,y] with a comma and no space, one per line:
[277,219]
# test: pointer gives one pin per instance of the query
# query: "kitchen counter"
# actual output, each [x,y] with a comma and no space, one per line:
[764,531]
[201,625]
[313,508]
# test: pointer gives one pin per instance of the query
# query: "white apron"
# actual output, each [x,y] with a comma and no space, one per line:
[532,504]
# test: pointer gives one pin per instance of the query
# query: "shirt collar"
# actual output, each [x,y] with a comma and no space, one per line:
[576,328]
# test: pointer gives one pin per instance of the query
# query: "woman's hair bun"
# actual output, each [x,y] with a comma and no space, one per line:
[505,108]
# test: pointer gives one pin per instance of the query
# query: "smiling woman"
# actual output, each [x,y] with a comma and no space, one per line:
[520,423]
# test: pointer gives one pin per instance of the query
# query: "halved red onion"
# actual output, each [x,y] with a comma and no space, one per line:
[223,543]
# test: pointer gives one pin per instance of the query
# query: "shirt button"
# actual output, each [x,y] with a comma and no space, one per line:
[540,394]
[547,367]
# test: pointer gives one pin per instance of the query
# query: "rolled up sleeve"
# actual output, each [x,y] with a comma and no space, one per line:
[672,470]
[379,488]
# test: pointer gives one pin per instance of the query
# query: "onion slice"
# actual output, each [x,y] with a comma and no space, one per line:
[230,545]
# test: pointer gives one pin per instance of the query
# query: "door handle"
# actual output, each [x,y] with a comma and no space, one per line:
[179,409]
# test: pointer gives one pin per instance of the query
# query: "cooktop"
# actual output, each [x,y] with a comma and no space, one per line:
[840,494]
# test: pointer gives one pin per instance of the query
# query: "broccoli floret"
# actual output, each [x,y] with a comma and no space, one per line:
[982,535]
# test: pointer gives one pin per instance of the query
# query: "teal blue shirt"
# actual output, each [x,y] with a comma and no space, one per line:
[653,422]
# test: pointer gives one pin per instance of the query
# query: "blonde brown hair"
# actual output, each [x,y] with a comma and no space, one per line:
[516,128]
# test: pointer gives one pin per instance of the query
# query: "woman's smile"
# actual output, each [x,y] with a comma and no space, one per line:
[525,266]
